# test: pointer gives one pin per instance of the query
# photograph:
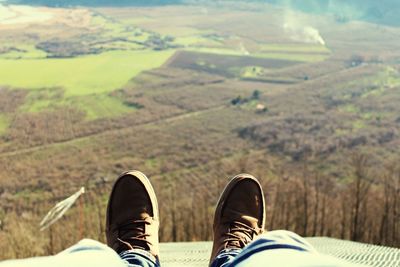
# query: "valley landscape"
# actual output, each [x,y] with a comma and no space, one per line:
[193,94]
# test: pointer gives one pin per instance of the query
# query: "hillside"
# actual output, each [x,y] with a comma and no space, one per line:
[308,104]
[382,12]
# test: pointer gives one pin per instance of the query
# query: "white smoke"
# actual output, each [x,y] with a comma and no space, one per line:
[244,50]
[304,34]
[298,29]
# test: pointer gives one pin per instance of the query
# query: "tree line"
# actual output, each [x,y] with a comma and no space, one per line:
[365,208]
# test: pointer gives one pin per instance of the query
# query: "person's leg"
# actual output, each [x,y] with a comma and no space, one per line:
[284,248]
[239,219]
[274,240]
[139,258]
[225,257]
[132,221]
[85,253]
[238,223]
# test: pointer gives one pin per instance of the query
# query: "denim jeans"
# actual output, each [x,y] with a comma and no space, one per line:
[277,248]
[225,257]
[87,253]
[139,258]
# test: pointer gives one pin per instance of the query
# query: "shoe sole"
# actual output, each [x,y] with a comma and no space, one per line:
[227,190]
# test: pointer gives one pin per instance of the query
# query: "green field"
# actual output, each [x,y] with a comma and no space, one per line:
[82,75]
[298,48]
[302,57]
[86,81]
[296,56]
[100,106]
[214,50]
[95,106]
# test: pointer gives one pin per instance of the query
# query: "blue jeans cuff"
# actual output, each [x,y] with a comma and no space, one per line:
[134,255]
[225,257]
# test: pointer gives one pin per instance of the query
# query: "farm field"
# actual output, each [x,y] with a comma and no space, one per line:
[82,75]
[190,96]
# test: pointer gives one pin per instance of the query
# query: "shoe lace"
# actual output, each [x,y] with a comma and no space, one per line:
[239,235]
[133,236]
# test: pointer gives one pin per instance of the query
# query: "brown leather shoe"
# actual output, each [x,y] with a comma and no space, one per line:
[132,214]
[240,214]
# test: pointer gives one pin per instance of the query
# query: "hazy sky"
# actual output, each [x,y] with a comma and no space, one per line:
[378,11]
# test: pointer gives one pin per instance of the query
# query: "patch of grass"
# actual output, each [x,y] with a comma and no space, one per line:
[391,77]
[252,72]
[386,79]
[299,48]
[152,163]
[341,132]
[214,50]
[376,92]
[141,37]
[120,45]
[350,108]
[179,31]
[82,75]
[187,40]
[358,124]
[252,104]
[111,29]
[195,40]
[38,105]
[205,64]
[38,100]
[138,20]
[95,105]
[185,35]
[32,194]
[4,123]
[373,116]
[283,56]
[368,116]
[375,84]
[100,106]
[23,51]
[294,56]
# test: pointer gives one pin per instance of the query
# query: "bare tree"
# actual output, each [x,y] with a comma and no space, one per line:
[359,190]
